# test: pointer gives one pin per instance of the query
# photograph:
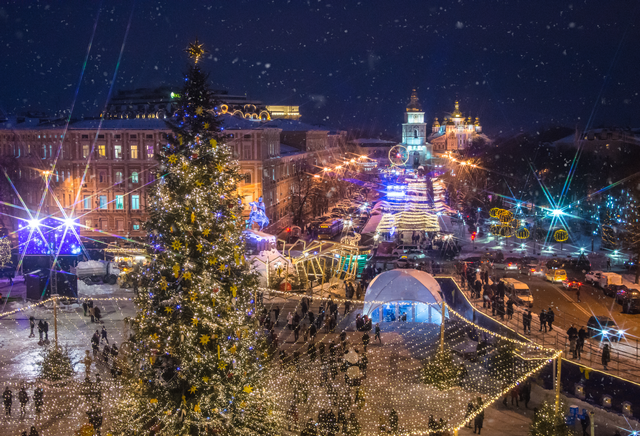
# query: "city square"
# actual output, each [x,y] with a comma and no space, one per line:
[375,219]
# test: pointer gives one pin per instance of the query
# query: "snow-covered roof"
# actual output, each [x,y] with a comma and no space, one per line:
[401,285]
[120,124]
[373,142]
[287,150]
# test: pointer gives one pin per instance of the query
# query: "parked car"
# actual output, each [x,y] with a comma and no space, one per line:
[612,290]
[507,264]
[414,254]
[572,285]
[403,249]
[604,328]
[556,275]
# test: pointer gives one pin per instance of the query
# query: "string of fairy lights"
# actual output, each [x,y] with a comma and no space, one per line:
[391,375]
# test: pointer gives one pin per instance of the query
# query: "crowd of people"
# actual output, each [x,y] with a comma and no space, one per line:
[23,399]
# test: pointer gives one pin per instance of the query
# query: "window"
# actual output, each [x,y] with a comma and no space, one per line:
[83,136]
[134,177]
[88,222]
[85,151]
[57,176]
[28,149]
[135,202]
[44,151]
[120,225]
[136,226]
[149,136]
[119,201]
[86,202]
[149,151]
[103,202]
[118,177]
[102,150]
[117,152]
[246,152]
[273,174]
[247,178]
[105,224]
[69,175]
[50,151]
[100,136]
[133,136]
[134,152]
[102,176]
[117,136]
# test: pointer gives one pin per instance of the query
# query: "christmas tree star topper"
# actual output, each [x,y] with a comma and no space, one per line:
[195,50]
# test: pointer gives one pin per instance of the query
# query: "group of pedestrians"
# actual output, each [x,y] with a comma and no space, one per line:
[23,399]
[520,392]
[576,340]
[93,310]
[43,329]
[546,317]
[478,420]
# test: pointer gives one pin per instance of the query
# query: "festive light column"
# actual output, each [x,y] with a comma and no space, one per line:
[196,361]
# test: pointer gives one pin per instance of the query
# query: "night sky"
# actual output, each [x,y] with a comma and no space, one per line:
[347,64]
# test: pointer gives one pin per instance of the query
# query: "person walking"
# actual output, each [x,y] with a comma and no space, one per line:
[7,399]
[377,334]
[526,321]
[543,320]
[510,309]
[608,264]
[551,317]
[578,294]
[45,327]
[85,307]
[23,397]
[32,324]
[515,392]
[606,356]
[365,340]
[526,394]
[585,422]
[92,312]
[40,329]
[95,340]
[38,398]
[33,432]
[470,409]
[103,335]
[477,424]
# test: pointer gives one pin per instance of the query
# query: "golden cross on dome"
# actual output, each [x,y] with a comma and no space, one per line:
[195,50]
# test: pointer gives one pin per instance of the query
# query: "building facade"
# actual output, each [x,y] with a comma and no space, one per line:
[414,133]
[455,133]
[101,170]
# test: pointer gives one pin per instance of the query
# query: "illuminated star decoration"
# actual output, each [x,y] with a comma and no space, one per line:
[195,50]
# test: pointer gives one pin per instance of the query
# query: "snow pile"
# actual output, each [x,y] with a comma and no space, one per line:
[85,290]
[90,265]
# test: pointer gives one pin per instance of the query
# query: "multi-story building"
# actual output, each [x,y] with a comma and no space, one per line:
[101,169]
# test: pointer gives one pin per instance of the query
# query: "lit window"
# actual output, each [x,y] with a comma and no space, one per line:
[44,151]
[102,150]
[87,222]
[134,152]
[136,226]
[134,177]
[117,152]
[135,202]
[149,151]
[103,202]
[118,177]
[85,151]
[119,201]
[102,177]
[86,202]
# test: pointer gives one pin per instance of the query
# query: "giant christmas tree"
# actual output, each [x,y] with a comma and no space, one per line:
[197,359]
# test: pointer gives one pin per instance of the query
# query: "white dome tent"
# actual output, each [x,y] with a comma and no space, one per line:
[411,292]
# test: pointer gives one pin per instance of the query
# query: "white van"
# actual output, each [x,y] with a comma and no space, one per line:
[519,292]
[404,249]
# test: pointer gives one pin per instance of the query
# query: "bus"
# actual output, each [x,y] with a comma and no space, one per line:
[329,229]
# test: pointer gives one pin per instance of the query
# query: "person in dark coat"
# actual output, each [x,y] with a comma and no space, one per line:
[510,309]
[95,340]
[34,432]
[526,394]
[478,288]
[393,420]
[585,421]
[365,340]
[313,330]
[7,398]
[85,307]
[526,321]
[470,409]
[543,320]
[96,312]
[606,356]
[332,424]
[551,317]
[377,334]
[103,335]
[24,399]
[477,423]
[32,324]
[310,429]
[45,328]
[40,329]
[38,398]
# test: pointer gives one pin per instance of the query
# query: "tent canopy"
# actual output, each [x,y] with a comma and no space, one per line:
[401,285]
